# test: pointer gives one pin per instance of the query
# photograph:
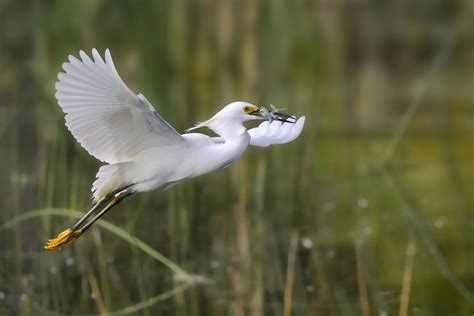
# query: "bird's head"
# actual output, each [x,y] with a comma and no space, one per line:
[241,112]
[233,113]
[229,120]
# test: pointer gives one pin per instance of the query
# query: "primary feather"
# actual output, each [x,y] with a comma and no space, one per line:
[111,122]
[275,132]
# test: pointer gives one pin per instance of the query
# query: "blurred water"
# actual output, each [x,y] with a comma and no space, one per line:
[369,212]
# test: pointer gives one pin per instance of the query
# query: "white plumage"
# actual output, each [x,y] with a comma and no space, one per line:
[275,132]
[142,151]
[107,119]
[123,129]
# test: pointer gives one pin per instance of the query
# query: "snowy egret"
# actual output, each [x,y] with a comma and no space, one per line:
[141,150]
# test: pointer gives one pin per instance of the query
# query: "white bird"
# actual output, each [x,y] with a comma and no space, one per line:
[141,150]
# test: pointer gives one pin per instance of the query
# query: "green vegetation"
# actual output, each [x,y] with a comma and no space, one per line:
[369,212]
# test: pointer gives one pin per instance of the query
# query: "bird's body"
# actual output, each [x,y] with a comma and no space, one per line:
[141,150]
[157,168]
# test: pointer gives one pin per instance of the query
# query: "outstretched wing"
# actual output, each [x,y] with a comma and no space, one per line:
[276,132]
[111,122]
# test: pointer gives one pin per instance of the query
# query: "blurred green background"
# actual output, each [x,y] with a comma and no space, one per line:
[369,212]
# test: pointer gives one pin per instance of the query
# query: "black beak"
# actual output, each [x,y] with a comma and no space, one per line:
[256,113]
[283,117]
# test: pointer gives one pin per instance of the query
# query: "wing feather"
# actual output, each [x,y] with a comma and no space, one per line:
[111,122]
[267,133]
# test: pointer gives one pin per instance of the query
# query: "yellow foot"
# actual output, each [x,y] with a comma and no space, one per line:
[65,238]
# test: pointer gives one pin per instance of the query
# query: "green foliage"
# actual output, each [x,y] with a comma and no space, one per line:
[377,190]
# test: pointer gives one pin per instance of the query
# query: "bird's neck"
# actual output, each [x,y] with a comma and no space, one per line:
[228,129]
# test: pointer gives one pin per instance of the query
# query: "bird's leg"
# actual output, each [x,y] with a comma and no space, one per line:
[117,198]
[88,214]
[71,234]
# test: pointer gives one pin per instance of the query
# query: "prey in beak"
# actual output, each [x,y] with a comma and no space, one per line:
[274,115]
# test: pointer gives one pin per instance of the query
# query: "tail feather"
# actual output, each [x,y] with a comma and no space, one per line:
[109,178]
